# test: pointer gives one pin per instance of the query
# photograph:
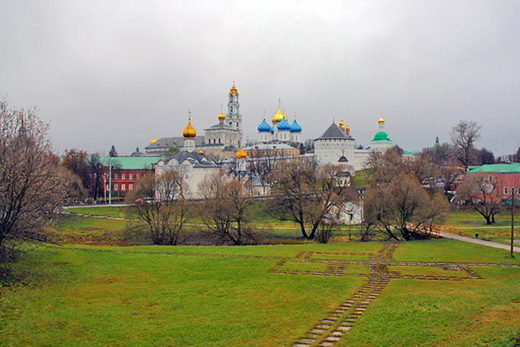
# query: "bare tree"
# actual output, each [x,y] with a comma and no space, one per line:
[463,137]
[443,168]
[32,185]
[76,161]
[306,193]
[485,156]
[403,195]
[402,207]
[481,193]
[160,202]
[260,166]
[226,208]
[96,176]
[112,152]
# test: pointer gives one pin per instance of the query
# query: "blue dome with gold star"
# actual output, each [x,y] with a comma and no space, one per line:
[264,127]
[284,125]
[295,127]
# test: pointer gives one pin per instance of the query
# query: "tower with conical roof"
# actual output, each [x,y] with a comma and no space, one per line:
[437,144]
[234,117]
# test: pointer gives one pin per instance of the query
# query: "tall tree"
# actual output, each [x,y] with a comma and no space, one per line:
[32,185]
[307,193]
[226,208]
[162,206]
[96,179]
[481,193]
[485,156]
[402,208]
[77,162]
[403,196]
[444,169]
[463,137]
[112,152]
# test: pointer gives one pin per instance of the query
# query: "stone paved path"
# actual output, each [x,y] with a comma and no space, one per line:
[330,329]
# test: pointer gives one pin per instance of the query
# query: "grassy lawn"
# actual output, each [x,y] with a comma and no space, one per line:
[80,295]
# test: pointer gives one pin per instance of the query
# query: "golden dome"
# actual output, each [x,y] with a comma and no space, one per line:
[241,154]
[201,152]
[277,118]
[381,121]
[348,127]
[233,89]
[189,132]
[342,124]
[221,116]
[154,140]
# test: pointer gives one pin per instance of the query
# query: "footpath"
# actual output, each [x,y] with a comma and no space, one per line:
[479,242]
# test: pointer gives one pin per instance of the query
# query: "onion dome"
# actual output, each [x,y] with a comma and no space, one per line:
[241,154]
[154,140]
[284,125]
[189,132]
[347,128]
[277,118]
[233,89]
[381,136]
[221,116]
[295,127]
[264,127]
[381,120]
[341,124]
[201,152]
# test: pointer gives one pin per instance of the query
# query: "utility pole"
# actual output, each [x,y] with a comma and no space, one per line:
[512,221]
[110,180]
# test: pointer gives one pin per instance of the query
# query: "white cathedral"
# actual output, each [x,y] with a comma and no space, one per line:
[225,139]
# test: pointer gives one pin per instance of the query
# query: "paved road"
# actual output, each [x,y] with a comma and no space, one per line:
[479,242]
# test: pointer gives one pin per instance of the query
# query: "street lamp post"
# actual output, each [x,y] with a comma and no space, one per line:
[105,187]
[109,181]
[513,221]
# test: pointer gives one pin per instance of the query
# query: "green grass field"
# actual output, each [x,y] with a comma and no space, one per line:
[80,295]
[94,289]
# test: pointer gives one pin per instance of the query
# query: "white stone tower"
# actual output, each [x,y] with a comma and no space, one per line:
[234,117]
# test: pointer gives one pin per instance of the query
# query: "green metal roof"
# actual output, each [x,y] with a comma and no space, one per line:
[131,163]
[497,168]
[381,136]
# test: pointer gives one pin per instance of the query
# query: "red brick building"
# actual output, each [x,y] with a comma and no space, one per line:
[503,177]
[126,171]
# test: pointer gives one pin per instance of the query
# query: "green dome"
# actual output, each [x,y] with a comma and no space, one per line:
[381,136]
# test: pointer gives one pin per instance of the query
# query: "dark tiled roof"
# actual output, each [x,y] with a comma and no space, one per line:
[334,132]
[193,157]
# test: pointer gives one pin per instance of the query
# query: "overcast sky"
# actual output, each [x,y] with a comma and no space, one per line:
[115,72]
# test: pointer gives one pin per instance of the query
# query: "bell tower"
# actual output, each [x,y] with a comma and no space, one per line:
[234,117]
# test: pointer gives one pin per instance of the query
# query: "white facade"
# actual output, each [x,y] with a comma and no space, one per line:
[194,168]
[333,144]
[336,141]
